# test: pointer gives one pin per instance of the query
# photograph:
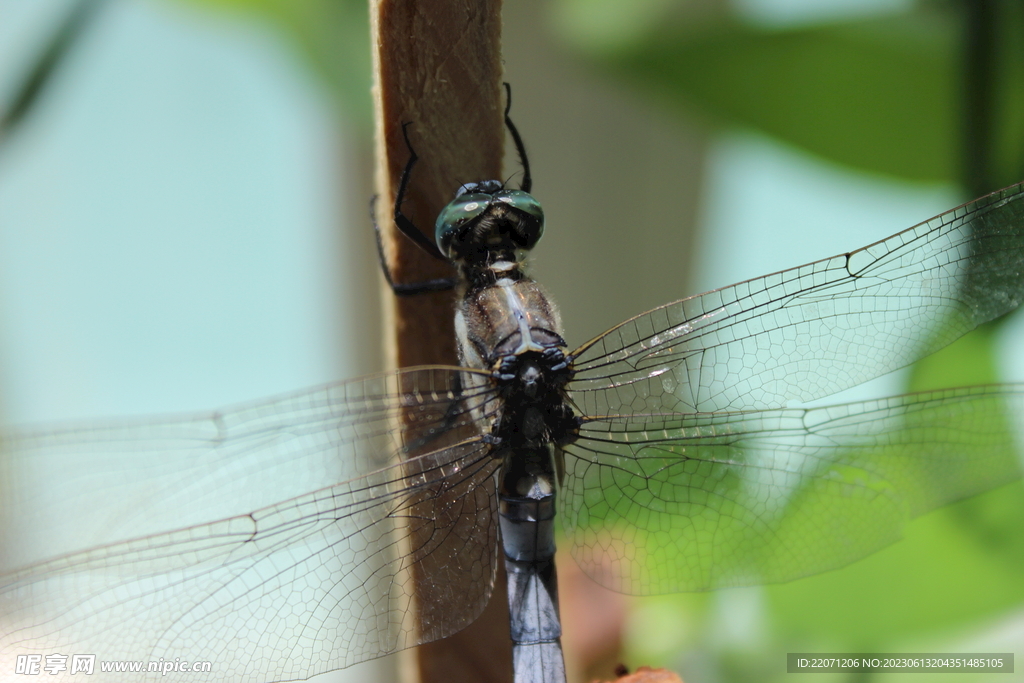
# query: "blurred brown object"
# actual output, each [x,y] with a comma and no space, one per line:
[593,620]
[646,674]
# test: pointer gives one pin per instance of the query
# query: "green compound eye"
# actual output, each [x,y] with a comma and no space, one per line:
[514,220]
[457,213]
[531,224]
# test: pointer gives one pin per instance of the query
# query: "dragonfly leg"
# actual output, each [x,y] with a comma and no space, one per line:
[409,229]
[406,226]
[520,148]
[402,288]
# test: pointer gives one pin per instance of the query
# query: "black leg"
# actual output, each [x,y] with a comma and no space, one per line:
[401,289]
[407,227]
[520,148]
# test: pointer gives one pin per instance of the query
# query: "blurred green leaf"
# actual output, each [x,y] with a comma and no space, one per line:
[882,95]
[969,361]
[876,95]
[955,566]
[973,360]
[940,576]
[332,35]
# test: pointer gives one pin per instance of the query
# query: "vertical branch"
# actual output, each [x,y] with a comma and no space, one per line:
[437,65]
[978,74]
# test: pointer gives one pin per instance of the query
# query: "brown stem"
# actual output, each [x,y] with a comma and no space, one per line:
[437,65]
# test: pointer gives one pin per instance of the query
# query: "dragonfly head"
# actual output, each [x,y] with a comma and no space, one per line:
[484,219]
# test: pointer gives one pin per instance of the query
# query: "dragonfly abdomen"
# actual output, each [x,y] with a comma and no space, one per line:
[527,520]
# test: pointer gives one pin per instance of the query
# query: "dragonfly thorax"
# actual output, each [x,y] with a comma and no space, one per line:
[536,409]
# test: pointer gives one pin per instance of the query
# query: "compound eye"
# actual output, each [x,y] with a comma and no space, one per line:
[531,216]
[454,216]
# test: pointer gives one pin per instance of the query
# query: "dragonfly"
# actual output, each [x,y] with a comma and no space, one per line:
[308,532]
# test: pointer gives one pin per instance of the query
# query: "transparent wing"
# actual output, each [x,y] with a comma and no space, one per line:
[675,502]
[317,582]
[812,331]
